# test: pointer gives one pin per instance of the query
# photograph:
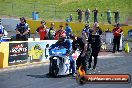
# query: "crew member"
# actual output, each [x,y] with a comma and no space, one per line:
[95,42]
[82,45]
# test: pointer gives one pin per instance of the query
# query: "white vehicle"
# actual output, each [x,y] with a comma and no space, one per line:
[59,62]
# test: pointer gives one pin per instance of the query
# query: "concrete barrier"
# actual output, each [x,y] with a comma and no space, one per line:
[4,50]
[21,52]
[10,25]
[76,27]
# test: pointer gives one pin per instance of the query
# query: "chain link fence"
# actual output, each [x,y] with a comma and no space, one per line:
[51,12]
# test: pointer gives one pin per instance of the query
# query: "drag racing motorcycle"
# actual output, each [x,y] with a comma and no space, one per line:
[59,61]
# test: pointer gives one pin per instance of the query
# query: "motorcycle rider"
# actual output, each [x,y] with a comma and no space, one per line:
[60,43]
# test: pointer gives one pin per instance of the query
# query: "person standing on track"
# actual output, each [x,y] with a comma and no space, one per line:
[82,45]
[95,42]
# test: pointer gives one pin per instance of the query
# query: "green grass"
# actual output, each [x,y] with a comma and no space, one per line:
[61,9]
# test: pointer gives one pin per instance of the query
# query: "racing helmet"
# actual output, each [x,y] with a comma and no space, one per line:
[87,26]
[61,39]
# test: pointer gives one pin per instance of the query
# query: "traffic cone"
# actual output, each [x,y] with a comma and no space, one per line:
[127,49]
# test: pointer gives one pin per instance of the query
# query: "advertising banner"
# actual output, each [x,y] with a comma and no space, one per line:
[39,50]
[18,53]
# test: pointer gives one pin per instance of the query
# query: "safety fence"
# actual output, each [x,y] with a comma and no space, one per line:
[53,12]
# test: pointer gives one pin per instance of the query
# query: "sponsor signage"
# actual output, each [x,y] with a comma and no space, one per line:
[18,52]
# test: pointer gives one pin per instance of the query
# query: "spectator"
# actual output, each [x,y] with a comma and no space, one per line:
[109,16]
[95,15]
[42,31]
[68,30]
[87,15]
[95,42]
[1,29]
[51,32]
[117,17]
[70,18]
[117,32]
[60,32]
[22,30]
[80,12]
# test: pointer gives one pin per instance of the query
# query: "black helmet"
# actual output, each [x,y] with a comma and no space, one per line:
[87,26]
[61,39]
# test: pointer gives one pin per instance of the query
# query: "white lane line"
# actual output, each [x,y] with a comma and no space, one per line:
[24,66]
[111,56]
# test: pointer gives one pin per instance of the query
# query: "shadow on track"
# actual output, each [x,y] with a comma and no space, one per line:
[48,76]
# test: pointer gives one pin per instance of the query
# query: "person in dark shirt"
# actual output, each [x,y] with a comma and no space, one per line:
[22,30]
[87,15]
[82,45]
[116,16]
[109,16]
[86,32]
[80,12]
[95,15]
[95,42]
[51,32]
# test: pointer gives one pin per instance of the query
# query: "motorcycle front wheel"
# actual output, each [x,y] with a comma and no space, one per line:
[55,68]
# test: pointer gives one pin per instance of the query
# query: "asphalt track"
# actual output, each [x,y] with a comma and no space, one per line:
[35,76]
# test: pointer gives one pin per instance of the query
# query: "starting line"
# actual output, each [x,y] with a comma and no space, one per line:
[109,56]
